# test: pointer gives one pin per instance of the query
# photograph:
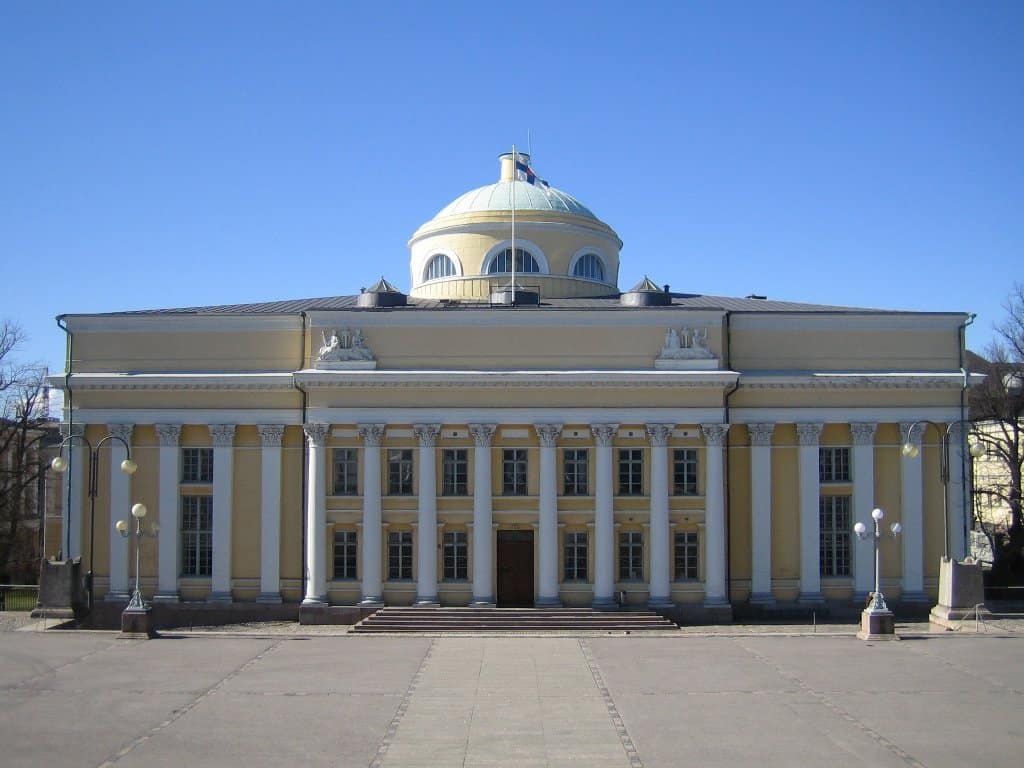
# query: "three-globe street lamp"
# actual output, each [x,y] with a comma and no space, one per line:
[137,604]
[877,620]
[60,464]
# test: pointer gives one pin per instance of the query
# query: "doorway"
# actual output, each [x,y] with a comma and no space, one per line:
[515,569]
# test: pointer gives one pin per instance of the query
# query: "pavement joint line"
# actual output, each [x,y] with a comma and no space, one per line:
[180,713]
[51,671]
[967,671]
[836,709]
[613,712]
[403,706]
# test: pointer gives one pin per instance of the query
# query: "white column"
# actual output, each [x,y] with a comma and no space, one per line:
[604,517]
[547,549]
[863,502]
[169,539]
[373,436]
[483,535]
[270,512]
[660,535]
[78,468]
[316,514]
[426,541]
[809,436]
[959,480]
[761,513]
[223,436]
[912,505]
[120,509]
[714,516]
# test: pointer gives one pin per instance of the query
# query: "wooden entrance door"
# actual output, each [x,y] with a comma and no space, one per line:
[515,569]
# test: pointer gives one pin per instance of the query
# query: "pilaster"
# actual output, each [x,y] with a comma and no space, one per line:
[659,538]
[316,514]
[761,513]
[271,436]
[426,560]
[714,516]
[483,534]
[547,549]
[223,437]
[373,594]
[809,436]
[604,517]
[168,503]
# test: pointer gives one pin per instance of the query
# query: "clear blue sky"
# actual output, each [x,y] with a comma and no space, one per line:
[181,154]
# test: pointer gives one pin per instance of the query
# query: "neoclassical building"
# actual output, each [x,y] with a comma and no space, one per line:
[515,430]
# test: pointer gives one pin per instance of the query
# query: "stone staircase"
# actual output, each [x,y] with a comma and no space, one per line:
[511,620]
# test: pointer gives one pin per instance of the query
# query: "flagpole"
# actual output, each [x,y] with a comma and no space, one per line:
[515,172]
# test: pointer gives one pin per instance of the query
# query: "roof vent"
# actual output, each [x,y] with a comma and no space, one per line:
[646,293]
[382,294]
[756,296]
[510,295]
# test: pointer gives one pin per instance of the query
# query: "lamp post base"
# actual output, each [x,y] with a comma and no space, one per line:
[137,624]
[877,625]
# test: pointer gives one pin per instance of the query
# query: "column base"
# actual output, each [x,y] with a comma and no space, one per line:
[660,602]
[314,602]
[810,598]
[483,602]
[913,597]
[166,597]
[877,625]
[762,598]
[547,602]
[117,597]
[371,601]
[716,601]
[604,603]
[269,598]
[220,597]
[427,601]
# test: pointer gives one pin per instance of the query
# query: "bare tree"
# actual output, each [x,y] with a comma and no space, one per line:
[997,408]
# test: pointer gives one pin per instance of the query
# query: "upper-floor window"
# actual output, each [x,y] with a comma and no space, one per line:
[684,472]
[400,472]
[346,548]
[346,471]
[575,471]
[440,265]
[589,266]
[513,472]
[197,465]
[631,472]
[454,472]
[502,263]
[834,465]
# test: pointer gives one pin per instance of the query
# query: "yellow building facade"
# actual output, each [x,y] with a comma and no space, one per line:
[516,431]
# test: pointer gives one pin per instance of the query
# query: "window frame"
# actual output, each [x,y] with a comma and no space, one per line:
[349,485]
[401,472]
[349,559]
[834,465]
[516,482]
[589,259]
[576,557]
[835,554]
[503,257]
[577,481]
[196,465]
[400,556]
[631,546]
[685,472]
[686,555]
[631,472]
[454,482]
[455,556]
[197,540]
[438,257]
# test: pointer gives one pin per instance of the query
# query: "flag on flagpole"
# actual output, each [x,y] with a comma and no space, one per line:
[525,173]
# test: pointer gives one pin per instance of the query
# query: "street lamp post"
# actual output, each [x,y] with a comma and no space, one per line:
[136,618]
[60,464]
[877,621]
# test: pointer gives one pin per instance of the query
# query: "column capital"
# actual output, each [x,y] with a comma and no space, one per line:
[760,434]
[604,434]
[121,431]
[714,434]
[483,434]
[809,434]
[910,435]
[863,432]
[548,434]
[317,433]
[271,435]
[372,434]
[659,434]
[168,435]
[223,435]
[426,434]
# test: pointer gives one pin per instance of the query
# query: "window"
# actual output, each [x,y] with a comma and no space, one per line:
[197,465]
[399,555]
[400,472]
[589,266]
[456,560]
[345,549]
[631,471]
[834,465]
[439,265]
[196,535]
[502,262]
[454,472]
[684,472]
[346,472]
[513,472]
[834,535]
[576,463]
[576,556]
[631,556]
[687,552]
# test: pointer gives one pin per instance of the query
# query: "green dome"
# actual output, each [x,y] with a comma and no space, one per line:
[528,197]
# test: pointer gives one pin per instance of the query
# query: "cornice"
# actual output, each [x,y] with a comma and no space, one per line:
[172,322]
[447,379]
[82,382]
[915,380]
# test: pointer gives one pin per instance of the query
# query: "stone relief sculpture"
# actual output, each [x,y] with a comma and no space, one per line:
[344,345]
[685,344]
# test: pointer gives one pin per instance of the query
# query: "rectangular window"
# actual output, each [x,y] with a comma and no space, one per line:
[399,555]
[576,470]
[454,472]
[197,465]
[834,465]
[346,472]
[631,471]
[576,556]
[513,472]
[684,472]
[456,556]
[631,556]
[400,472]
[834,535]
[196,535]
[687,552]
[345,554]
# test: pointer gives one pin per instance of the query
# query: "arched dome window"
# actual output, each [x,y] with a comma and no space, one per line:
[590,266]
[502,262]
[440,265]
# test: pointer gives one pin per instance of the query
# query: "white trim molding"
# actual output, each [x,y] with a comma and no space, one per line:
[81,382]
[856,380]
[449,379]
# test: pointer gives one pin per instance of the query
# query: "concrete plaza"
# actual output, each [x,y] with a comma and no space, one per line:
[732,699]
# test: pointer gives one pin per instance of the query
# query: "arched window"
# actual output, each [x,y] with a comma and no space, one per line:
[439,265]
[502,262]
[589,265]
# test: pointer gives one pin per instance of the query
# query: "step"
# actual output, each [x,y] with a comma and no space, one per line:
[427,619]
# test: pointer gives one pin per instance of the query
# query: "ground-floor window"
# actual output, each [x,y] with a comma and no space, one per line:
[834,535]
[456,556]
[399,555]
[687,554]
[345,549]
[631,556]
[196,535]
[576,556]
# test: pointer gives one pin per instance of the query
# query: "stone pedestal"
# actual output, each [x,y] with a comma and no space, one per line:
[877,625]
[137,623]
[961,594]
[61,591]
